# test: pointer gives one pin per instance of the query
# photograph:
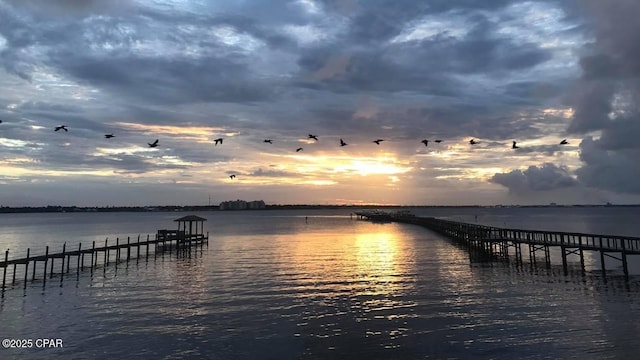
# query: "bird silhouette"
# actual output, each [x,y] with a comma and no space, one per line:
[564,142]
[438,141]
[425,142]
[473,141]
[217,141]
[61,127]
[314,137]
[514,146]
[109,136]
[232,176]
[298,149]
[378,141]
[153,144]
[0,121]
[342,143]
[269,141]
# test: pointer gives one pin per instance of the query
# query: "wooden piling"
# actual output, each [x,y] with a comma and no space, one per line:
[93,251]
[4,273]
[46,259]
[623,255]
[117,251]
[33,277]
[79,253]
[602,257]
[64,248]
[66,256]
[26,268]
[106,254]
[147,259]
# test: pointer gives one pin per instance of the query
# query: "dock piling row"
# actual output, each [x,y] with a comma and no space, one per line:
[495,242]
[165,242]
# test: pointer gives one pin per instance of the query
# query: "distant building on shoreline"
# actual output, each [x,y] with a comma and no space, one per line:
[242,205]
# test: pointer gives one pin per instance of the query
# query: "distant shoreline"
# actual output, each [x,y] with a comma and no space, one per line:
[176,208]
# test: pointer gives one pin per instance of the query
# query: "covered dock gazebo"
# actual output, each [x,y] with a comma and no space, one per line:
[190,231]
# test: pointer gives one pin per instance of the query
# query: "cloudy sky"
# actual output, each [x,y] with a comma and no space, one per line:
[189,72]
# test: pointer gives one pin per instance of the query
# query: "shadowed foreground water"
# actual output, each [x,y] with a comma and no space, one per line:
[270,286]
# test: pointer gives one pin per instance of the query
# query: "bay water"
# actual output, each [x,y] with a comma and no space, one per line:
[318,284]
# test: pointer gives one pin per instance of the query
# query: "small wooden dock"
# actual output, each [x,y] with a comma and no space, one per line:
[496,242]
[182,240]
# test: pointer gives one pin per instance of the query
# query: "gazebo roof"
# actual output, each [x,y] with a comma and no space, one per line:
[191,218]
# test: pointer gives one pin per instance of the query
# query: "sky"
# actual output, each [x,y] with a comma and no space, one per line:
[189,72]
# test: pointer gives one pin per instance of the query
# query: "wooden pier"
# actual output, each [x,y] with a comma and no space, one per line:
[182,240]
[496,242]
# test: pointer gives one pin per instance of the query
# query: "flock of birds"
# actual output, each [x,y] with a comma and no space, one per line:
[310,137]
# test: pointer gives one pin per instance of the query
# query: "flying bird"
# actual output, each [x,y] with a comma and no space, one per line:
[564,142]
[232,176]
[109,136]
[378,141]
[153,144]
[298,149]
[425,142]
[217,141]
[314,137]
[61,127]
[342,143]
[514,146]
[473,141]
[438,141]
[268,141]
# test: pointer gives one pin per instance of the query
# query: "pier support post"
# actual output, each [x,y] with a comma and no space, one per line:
[4,273]
[26,268]
[68,262]
[106,254]
[581,254]
[46,259]
[51,269]
[138,249]
[128,248]
[564,259]
[13,280]
[64,251]
[33,276]
[117,251]
[623,255]
[604,273]
[79,253]
[93,251]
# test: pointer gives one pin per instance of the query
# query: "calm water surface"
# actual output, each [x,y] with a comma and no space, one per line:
[271,285]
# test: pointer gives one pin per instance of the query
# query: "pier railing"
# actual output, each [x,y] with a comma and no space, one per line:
[497,241]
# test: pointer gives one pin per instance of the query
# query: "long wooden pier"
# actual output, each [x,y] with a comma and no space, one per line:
[163,241]
[495,241]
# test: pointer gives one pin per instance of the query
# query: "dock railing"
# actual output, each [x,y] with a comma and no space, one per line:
[164,240]
[497,241]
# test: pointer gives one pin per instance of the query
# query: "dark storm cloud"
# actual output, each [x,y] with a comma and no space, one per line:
[168,81]
[613,59]
[428,66]
[545,177]
[101,52]
[68,159]
[617,171]
[607,97]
